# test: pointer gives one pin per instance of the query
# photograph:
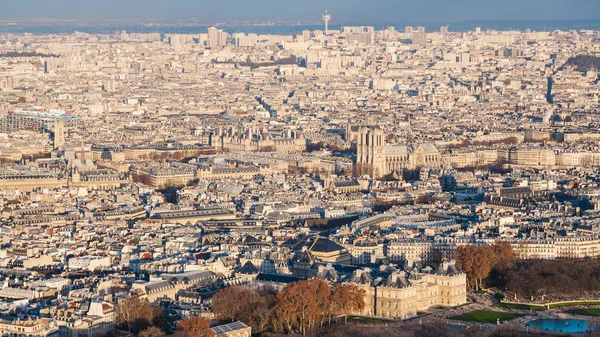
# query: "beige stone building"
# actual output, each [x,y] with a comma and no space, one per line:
[521,157]
[568,248]
[42,327]
[325,250]
[402,294]
[254,139]
[376,159]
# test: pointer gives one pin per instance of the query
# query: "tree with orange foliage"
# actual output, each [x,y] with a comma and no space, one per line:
[238,303]
[285,312]
[195,327]
[302,304]
[478,262]
[259,315]
[465,258]
[152,332]
[135,314]
[504,260]
[322,295]
[230,302]
[347,299]
[504,256]
[483,265]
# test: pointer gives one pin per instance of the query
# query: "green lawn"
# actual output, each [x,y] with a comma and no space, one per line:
[485,316]
[584,312]
[521,306]
[362,319]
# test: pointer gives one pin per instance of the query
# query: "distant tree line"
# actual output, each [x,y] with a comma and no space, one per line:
[537,277]
[497,266]
[25,54]
[584,63]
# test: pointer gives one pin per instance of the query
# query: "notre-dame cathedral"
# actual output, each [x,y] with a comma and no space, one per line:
[376,159]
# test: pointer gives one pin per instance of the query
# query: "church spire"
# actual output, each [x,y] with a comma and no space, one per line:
[409,135]
[348,127]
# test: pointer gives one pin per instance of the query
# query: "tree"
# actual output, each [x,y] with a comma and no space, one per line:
[356,299]
[195,327]
[504,256]
[232,303]
[424,199]
[322,295]
[260,315]
[475,262]
[479,262]
[160,319]
[338,300]
[152,332]
[238,303]
[483,265]
[504,260]
[285,311]
[302,304]
[347,299]
[135,314]
[256,309]
[465,258]
[437,257]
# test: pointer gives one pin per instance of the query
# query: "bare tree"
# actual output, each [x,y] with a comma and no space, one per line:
[195,327]
[134,313]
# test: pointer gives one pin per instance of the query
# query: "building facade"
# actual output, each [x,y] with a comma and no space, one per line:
[376,159]
[402,294]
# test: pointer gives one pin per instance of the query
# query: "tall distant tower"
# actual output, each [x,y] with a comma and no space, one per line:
[58,134]
[370,157]
[326,19]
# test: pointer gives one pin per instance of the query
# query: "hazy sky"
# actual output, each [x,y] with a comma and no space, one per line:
[343,11]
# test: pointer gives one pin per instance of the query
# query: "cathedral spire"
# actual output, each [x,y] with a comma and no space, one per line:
[409,135]
[348,127]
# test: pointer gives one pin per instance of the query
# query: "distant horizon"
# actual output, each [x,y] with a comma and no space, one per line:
[193,21]
[56,26]
[376,11]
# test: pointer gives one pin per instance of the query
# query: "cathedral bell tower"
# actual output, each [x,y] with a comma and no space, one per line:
[370,158]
